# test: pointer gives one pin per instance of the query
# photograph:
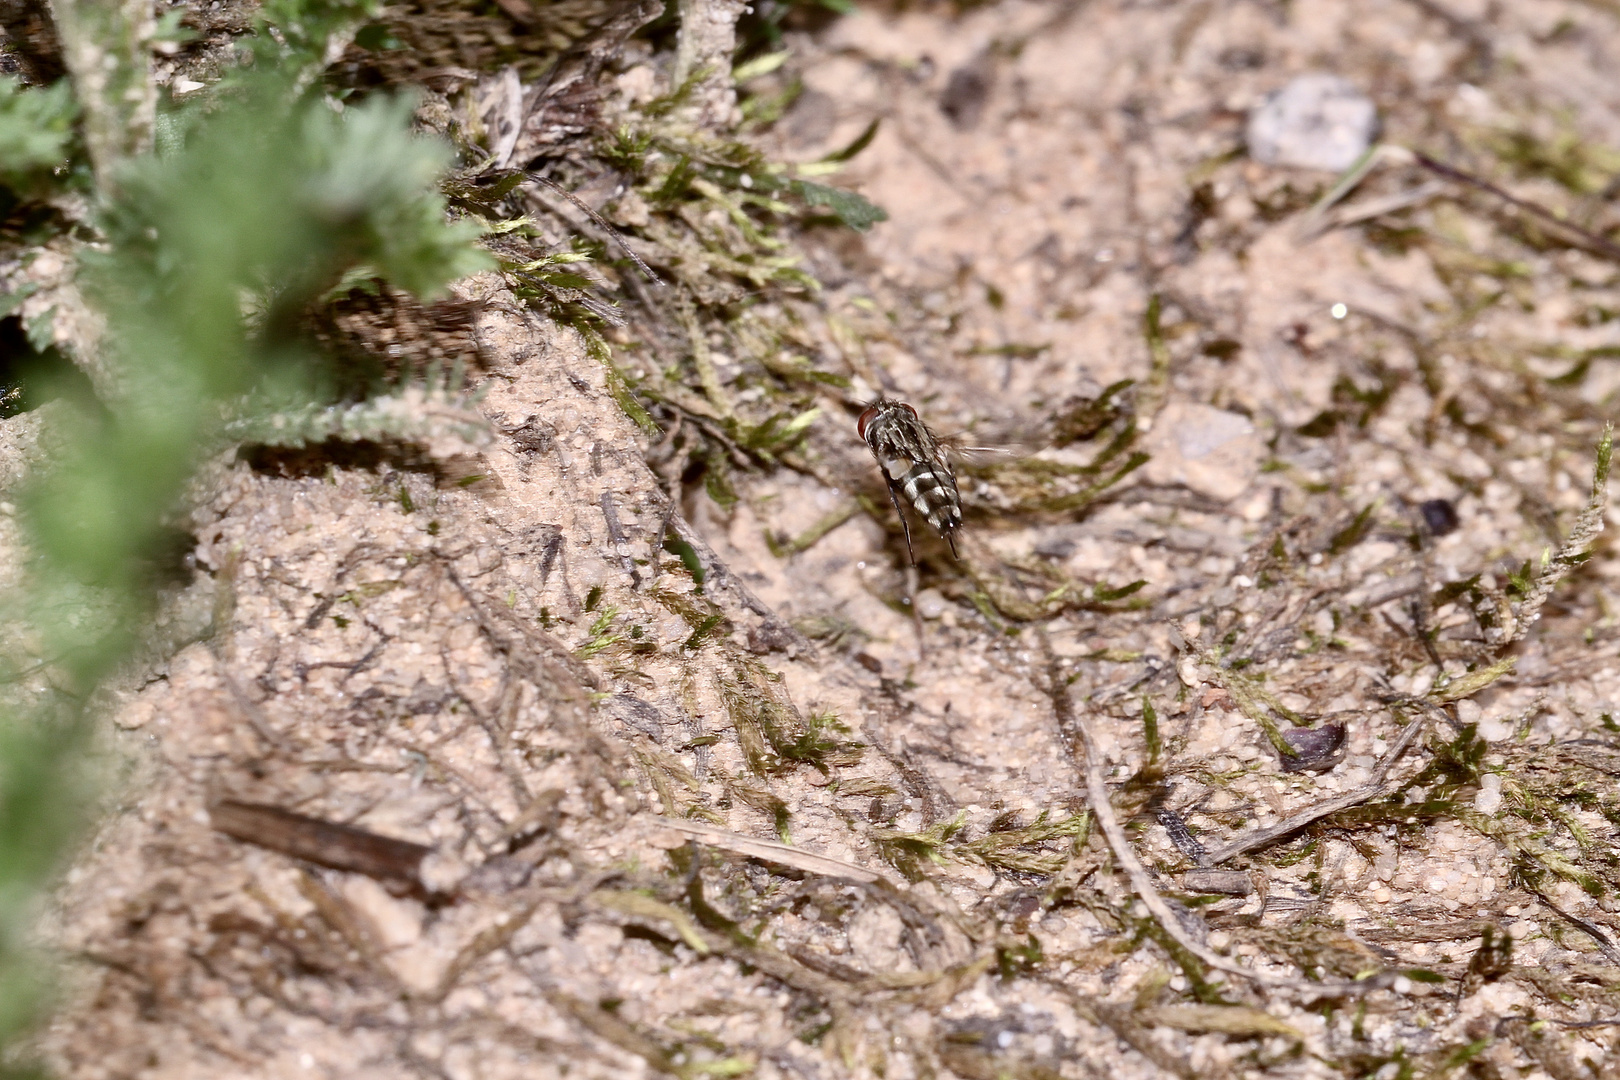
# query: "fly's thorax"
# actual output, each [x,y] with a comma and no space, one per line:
[892,431]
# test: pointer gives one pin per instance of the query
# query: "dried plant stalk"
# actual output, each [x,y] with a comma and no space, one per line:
[1576,547]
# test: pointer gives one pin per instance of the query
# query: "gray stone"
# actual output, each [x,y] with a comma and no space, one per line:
[1315,122]
[1222,882]
[1205,449]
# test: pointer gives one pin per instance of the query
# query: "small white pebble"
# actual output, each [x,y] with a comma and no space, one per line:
[930,604]
[1402,985]
[1004,1040]
[1489,799]
[1381,895]
[1187,672]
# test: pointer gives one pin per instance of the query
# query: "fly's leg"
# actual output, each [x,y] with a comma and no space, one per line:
[894,497]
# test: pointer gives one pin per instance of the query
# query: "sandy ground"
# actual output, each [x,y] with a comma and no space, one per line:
[465,657]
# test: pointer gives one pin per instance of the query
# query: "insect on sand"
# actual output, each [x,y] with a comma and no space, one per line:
[913,466]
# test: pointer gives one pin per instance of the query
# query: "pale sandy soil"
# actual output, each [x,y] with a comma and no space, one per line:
[414,655]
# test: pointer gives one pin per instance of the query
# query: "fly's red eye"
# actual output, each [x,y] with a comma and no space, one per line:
[865,418]
[909,409]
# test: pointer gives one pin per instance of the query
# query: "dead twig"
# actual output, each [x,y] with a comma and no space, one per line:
[1591,241]
[327,843]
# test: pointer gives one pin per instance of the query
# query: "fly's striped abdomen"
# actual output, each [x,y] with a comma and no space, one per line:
[932,490]
[913,467]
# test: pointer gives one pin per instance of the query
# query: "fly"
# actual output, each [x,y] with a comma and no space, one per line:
[914,467]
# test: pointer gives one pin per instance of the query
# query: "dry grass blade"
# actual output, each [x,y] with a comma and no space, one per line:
[1379,785]
[645,907]
[1126,1026]
[603,223]
[1077,740]
[770,851]
[1226,1019]
[1576,546]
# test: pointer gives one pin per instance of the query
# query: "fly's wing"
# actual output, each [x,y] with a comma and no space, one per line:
[976,454]
[977,457]
[987,446]
[981,455]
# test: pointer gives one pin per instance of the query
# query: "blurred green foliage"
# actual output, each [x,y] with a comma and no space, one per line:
[36,131]
[215,252]
[293,35]
[212,250]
